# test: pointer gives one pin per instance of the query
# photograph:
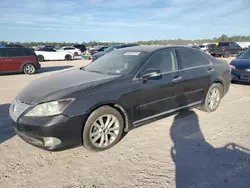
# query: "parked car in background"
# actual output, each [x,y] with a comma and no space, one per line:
[81,47]
[226,49]
[203,47]
[240,67]
[18,60]
[94,105]
[46,53]
[196,47]
[110,49]
[99,49]
[70,49]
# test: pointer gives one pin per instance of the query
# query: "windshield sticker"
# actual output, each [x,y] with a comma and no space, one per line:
[132,53]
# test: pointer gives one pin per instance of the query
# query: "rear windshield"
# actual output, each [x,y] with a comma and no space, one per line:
[118,62]
[224,44]
[245,54]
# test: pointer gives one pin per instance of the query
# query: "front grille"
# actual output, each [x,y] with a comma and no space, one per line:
[17,108]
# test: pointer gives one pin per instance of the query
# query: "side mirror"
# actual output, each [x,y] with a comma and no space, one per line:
[151,74]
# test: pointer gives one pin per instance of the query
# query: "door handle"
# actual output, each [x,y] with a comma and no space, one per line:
[210,70]
[177,79]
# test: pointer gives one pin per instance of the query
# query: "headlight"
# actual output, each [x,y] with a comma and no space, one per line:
[49,108]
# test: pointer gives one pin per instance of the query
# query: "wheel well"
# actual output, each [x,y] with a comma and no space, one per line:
[25,63]
[219,82]
[120,109]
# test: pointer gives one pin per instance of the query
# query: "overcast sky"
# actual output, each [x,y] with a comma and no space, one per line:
[121,20]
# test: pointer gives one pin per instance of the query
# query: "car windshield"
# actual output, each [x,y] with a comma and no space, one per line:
[223,44]
[245,55]
[118,62]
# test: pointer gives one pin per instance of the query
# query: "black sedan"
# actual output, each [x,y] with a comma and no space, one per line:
[110,49]
[94,105]
[241,67]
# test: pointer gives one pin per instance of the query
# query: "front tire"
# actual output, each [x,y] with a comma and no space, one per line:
[103,129]
[68,57]
[213,98]
[29,69]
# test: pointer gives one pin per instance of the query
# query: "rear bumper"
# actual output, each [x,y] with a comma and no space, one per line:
[240,76]
[38,66]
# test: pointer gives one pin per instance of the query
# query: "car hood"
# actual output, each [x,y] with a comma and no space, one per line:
[62,84]
[99,54]
[241,63]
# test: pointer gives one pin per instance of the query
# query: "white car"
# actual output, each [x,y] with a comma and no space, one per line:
[203,47]
[70,49]
[53,54]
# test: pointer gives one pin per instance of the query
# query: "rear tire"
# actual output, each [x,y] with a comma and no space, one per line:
[68,58]
[29,69]
[103,129]
[40,58]
[75,54]
[213,98]
[226,55]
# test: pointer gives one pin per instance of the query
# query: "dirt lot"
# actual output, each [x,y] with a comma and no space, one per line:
[143,158]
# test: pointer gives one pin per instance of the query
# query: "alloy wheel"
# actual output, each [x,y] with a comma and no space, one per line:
[214,98]
[29,69]
[104,131]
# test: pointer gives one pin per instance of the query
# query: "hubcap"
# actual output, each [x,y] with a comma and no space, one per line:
[104,131]
[214,98]
[29,69]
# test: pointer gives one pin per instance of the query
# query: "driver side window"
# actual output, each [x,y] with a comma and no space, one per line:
[164,61]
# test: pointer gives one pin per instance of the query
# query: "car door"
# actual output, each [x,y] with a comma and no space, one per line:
[53,54]
[196,72]
[3,63]
[155,97]
[14,59]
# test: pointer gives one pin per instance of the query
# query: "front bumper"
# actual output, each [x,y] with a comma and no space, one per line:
[51,133]
[240,75]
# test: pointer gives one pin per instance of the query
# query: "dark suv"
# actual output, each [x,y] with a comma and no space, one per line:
[18,60]
[226,49]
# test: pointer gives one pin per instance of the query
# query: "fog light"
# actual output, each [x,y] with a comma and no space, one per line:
[51,141]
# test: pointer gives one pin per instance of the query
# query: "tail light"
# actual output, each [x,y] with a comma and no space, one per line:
[231,67]
[223,49]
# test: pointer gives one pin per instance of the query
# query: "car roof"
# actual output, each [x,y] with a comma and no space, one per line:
[149,48]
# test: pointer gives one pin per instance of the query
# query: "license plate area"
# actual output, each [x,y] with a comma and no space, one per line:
[245,76]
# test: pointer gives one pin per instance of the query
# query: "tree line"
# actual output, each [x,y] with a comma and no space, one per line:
[222,38]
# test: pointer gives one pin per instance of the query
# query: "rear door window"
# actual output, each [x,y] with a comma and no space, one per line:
[14,52]
[192,58]
[27,52]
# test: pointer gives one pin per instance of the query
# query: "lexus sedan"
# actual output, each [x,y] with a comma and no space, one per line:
[95,105]
[241,67]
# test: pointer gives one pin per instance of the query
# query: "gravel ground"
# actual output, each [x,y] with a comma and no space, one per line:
[185,150]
